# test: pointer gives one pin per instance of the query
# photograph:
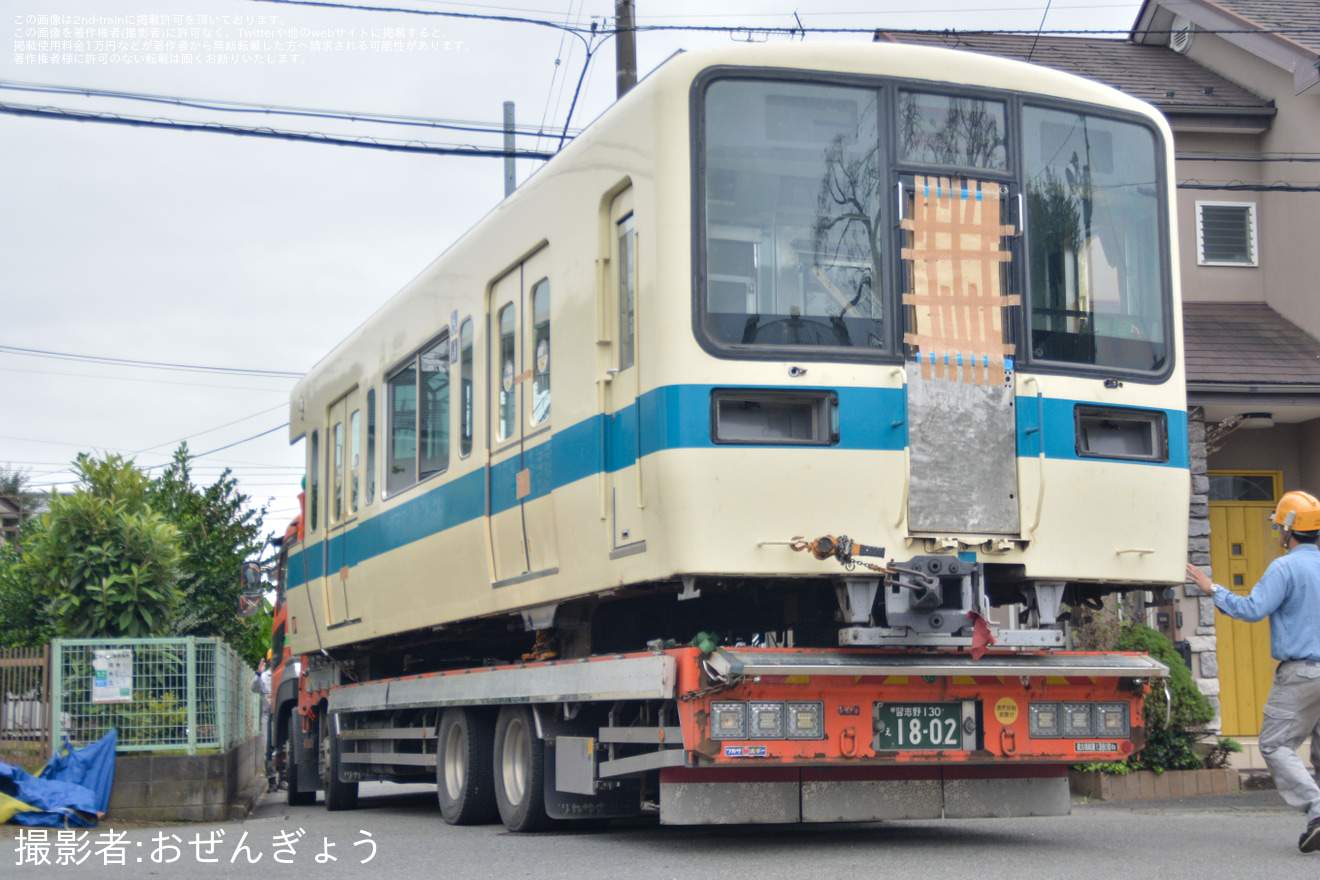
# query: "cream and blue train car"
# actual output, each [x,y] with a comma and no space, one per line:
[917,297]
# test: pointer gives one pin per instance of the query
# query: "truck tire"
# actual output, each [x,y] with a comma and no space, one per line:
[296,796]
[464,769]
[338,795]
[519,771]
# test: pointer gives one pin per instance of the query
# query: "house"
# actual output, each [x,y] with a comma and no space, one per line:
[1239,81]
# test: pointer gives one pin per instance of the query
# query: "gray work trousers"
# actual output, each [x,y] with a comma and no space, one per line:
[1292,713]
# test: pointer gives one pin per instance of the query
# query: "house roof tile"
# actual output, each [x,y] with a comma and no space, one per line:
[1247,343]
[1172,82]
[1297,20]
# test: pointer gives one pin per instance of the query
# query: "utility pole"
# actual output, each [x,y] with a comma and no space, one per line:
[625,46]
[510,176]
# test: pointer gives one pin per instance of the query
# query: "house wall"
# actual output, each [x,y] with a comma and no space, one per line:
[1309,454]
[1290,260]
[1215,283]
[1277,448]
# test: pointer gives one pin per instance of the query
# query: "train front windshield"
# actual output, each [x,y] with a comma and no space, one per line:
[801,246]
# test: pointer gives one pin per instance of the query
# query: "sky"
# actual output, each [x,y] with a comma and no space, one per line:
[202,249]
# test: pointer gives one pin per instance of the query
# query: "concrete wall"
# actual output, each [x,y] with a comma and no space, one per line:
[187,788]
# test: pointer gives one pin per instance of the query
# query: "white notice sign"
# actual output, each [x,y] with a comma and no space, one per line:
[112,676]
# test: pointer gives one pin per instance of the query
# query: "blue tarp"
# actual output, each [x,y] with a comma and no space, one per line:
[73,789]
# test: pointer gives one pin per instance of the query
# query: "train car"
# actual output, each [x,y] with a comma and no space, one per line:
[851,345]
[917,297]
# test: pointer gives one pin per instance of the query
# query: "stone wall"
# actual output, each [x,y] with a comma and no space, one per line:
[190,788]
[1199,609]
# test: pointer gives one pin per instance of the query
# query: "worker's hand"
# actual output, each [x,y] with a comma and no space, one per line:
[261,667]
[1198,577]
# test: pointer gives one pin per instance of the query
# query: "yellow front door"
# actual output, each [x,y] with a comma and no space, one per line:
[1241,547]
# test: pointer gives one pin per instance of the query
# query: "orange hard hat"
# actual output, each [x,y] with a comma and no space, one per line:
[1298,512]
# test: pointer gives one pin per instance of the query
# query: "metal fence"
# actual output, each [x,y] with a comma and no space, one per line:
[25,707]
[183,695]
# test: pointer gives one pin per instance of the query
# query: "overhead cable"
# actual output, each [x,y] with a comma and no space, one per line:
[770,31]
[270,109]
[397,146]
[149,365]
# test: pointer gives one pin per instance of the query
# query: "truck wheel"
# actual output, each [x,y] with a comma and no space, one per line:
[519,771]
[338,795]
[464,771]
[297,797]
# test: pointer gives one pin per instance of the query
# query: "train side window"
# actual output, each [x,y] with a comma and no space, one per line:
[541,352]
[465,387]
[371,445]
[337,474]
[314,479]
[508,373]
[627,293]
[433,410]
[354,460]
[402,471]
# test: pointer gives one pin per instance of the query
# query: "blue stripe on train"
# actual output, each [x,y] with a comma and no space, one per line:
[672,417]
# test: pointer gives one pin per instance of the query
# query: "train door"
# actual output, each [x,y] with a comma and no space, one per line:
[962,434]
[507,539]
[522,529]
[536,479]
[344,482]
[623,460]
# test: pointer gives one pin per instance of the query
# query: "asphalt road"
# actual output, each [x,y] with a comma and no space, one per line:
[1246,835]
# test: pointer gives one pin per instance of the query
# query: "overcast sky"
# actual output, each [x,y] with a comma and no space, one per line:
[196,248]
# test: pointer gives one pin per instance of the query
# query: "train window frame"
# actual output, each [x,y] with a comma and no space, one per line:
[371,446]
[626,302]
[466,386]
[506,409]
[1026,356]
[354,461]
[884,343]
[540,367]
[336,463]
[314,480]
[437,349]
[892,168]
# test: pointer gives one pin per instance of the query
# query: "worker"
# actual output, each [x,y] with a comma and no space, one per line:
[261,685]
[1289,595]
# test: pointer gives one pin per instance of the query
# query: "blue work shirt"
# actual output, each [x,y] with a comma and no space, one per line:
[1289,594]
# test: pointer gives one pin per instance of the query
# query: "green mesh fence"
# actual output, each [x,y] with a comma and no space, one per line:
[184,695]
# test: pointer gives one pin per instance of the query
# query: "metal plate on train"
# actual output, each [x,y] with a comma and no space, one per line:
[901,727]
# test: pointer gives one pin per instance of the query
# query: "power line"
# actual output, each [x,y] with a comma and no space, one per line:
[397,146]
[269,109]
[139,379]
[769,31]
[1240,186]
[150,365]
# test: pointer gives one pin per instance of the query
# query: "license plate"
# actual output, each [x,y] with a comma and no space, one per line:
[1096,747]
[918,727]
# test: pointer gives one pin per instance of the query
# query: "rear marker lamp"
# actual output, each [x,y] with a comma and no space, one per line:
[767,721]
[806,721]
[1077,719]
[728,721]
[1111,719]
[1044,720]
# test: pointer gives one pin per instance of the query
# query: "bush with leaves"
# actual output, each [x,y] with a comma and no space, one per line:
[1168,746]
[217,531]
[24,619]
[107,564]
